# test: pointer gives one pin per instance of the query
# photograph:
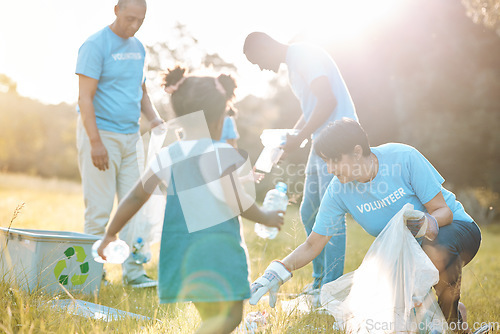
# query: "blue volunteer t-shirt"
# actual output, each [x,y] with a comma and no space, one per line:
[307,62]
[229,130]
[118,64]
[404,176]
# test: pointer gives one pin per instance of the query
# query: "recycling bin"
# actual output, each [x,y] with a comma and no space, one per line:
[49,261]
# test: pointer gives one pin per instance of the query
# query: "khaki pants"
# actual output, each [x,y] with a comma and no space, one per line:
[101,187]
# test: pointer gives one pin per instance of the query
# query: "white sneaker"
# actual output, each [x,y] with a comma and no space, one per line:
[316,298]
[142,282]
[483,329]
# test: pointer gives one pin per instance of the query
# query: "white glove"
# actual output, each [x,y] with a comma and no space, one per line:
[421,224]
[274,276]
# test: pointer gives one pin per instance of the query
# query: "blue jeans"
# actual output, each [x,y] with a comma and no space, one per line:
[329,264]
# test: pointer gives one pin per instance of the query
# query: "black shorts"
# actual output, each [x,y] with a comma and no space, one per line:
[459,239]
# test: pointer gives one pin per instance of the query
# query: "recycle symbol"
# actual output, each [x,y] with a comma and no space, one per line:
[84,267]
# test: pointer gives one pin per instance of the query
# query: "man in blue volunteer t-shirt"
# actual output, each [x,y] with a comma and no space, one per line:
[323,95]
[112,94]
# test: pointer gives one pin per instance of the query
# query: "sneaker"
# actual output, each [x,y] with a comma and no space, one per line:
[316,298]
[483,329]
[142,282]
[336,327]
[104,280]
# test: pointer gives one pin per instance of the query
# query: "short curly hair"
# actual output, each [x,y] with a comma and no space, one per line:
[197,93]
[340,137]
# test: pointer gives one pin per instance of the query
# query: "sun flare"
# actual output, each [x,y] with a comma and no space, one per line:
[347,21]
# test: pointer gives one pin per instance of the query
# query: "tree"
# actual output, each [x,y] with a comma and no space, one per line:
[7,85]
[37,138]
[485,12]
[184,49]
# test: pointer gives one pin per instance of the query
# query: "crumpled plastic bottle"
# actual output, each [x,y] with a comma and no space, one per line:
[255,322]
[115,252]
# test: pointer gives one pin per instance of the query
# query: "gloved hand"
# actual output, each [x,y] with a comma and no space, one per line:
[421,224]
[275,275]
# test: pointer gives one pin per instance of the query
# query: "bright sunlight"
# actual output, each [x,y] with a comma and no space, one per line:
[348,21]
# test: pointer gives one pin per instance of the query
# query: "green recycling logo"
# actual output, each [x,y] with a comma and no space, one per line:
[84,267]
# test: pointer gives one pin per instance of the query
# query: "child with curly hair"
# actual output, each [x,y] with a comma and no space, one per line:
[203,256]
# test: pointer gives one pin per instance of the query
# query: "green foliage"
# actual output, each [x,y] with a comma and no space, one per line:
[180,48]
[281,110]
[7,85]
[485,12]
[481,204]
[36,138]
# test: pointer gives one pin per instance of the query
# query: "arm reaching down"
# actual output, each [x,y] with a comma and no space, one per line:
[279,272]
[127,208]
[306,252]
[268,218]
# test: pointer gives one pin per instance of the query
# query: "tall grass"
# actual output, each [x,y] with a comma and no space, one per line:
[57,205]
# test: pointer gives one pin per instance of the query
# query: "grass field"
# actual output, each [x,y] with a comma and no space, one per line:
[58,205]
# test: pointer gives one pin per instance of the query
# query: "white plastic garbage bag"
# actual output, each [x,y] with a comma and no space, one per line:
[94,311]
[386,293]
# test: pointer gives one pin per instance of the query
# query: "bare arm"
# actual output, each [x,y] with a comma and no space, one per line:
[438,208]
[268,218]
[148,109]
[325,105]
[127,208]
[87,89]
[306,252]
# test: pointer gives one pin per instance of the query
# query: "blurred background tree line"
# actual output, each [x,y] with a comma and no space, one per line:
[428,77]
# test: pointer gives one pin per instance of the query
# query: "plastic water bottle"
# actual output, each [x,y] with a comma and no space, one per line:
[115,252]
[138,253]
[427,317]
[273,139]
[276,199]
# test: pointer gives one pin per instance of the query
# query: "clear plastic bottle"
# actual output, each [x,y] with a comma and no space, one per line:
[115,252]
[427,317]
[138,252]
[276,199]
[273,139]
